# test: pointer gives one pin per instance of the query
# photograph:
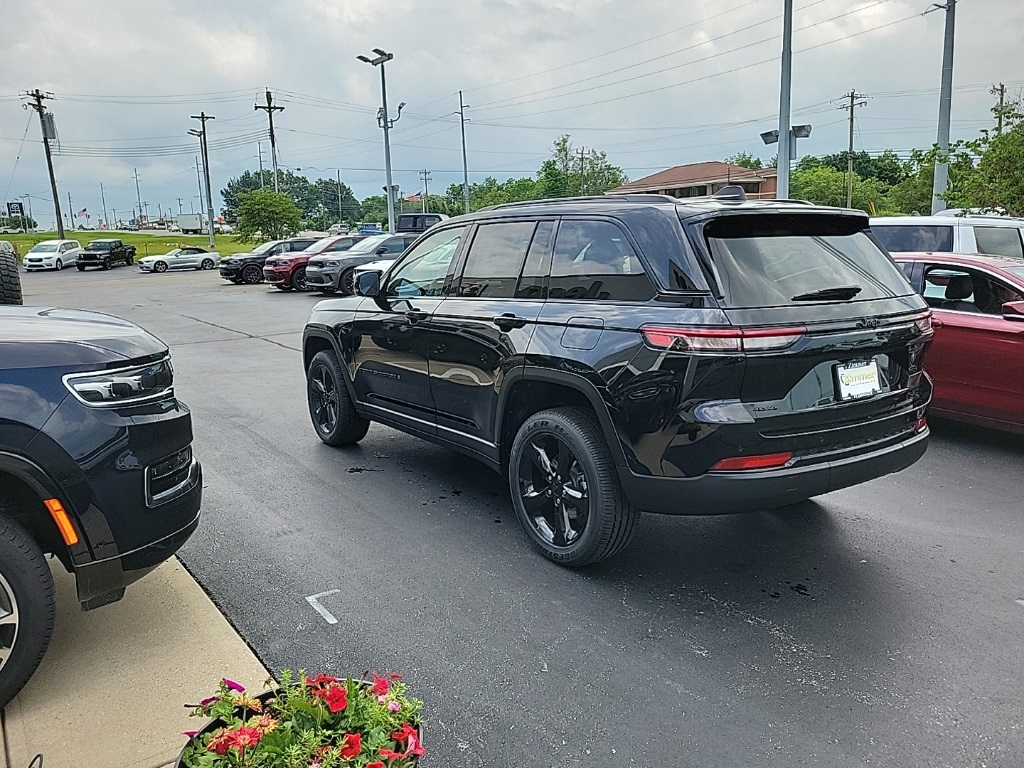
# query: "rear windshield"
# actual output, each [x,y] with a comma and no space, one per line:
[773,260]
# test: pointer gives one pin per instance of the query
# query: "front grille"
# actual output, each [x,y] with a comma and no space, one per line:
[168,478]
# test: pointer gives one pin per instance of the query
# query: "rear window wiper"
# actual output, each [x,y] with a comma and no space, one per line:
[839,293]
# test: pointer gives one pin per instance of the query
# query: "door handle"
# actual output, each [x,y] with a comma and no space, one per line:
[507,321]
[415,315]
[936,323]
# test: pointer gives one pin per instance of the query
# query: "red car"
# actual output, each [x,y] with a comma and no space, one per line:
[287,271]
[976,360]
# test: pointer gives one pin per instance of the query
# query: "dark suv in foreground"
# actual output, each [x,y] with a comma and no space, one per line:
[96,468]
[621,354]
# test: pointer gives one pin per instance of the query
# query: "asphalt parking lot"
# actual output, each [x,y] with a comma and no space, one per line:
[878,625]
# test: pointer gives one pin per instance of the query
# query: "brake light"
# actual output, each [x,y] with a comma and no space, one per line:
[742,463]
[922,424]
[923,323]
[721,339]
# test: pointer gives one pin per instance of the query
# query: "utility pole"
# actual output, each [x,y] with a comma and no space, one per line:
[341,213]
[31,218]
[46,124]
[425,175]
[851,108]
[115,217]
[202,117]
[465,163]
[138,194]
[160,210]
[785,101]
[71,212]
[103,198]
[259,151]
[270,109]
[1001,91]
[384,121]
[145,204]
[945,108]
[583,153]
[179,206]
[199,181]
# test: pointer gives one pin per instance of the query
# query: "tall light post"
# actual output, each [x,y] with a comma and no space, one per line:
[785,95]
[465,163]
[787,141]
[941,179]
[203,117]
[385,122]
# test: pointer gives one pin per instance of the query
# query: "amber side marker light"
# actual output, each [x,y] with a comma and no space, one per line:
[764,461]
[63,521]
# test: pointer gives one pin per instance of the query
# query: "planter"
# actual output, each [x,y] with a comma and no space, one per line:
[342,709]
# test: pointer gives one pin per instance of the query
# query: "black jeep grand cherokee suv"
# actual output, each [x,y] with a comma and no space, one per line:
[638,353]
[96,467]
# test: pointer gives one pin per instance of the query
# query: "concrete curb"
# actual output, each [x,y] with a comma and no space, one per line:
[110,690]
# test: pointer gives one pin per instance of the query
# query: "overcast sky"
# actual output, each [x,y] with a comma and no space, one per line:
[655,83]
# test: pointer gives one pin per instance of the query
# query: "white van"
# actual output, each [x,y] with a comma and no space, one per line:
[947,232]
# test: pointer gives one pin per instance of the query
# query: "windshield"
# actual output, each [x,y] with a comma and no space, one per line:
[320,245]
[369,245]
[175,252]
[770,261]
[44,248]
[100,245]
[259,249]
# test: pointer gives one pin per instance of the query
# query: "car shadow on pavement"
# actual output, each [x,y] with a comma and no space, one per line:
[946,431]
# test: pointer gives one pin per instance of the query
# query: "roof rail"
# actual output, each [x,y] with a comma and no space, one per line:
[637,198]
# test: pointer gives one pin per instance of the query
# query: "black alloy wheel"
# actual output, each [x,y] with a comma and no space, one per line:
[81,267]
[298,281]
[252,274]
[106,263]
[330,406]
[565,488]
[347,282]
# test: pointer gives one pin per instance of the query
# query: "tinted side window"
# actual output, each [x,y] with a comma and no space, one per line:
[422,271]
[916,237]
[534,281]
[999,241]
[594,260]
[395,245]
[495,259]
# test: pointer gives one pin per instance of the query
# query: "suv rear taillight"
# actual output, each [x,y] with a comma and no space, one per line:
[747,463]
[721,339]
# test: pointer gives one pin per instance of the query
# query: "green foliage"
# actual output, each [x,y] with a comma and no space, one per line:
[267,215]
[317,200]
[996,180]
[886,167]
[745,160]
[569,172]
[18,222]
[827,186]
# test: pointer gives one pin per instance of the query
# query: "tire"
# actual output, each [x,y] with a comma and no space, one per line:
[207,264]
[252,274]
[346,282]
[10,280]
[131,259]
[106,263]
[26,587]
[577,467]
[325,387]
[299,279]
[58,265]
[159,267]
[80,268]
[283,286]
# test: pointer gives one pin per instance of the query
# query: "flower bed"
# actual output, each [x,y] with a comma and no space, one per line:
[308,722]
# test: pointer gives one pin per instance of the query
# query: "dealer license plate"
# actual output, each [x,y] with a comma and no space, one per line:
[856,380]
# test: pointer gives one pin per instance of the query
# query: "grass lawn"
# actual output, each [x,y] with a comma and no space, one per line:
[146,243]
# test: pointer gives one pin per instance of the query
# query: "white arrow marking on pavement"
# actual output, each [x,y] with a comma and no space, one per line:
[314,600]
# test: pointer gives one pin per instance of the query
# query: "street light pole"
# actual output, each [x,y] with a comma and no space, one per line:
[385,121]
[941,181]
[785,100]
[203,117]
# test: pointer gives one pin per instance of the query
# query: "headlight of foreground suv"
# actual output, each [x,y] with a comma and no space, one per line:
[123,386]
[330,264]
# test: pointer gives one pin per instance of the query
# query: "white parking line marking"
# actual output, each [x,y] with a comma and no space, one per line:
[314,600]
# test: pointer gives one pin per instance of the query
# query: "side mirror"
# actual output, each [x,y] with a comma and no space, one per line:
[1013,310]
[368,284]
[381,251]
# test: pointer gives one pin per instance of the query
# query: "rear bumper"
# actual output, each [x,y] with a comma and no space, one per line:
[720,493]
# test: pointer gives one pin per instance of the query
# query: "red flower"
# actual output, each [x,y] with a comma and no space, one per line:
[352,746]
[319,680]
[245,737]
[380,686]
[390,755]
[411,737]
[220,742]
[394,676]
[375,764]
[336,698]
